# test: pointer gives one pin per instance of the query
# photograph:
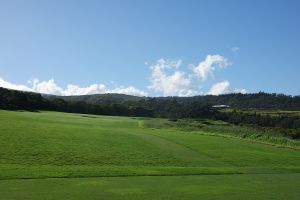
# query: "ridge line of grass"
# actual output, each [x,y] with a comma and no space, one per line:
[144,175]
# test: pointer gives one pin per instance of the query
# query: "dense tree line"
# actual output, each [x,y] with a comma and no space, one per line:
[14,100]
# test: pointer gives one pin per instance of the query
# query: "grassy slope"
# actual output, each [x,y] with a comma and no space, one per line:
[50,144]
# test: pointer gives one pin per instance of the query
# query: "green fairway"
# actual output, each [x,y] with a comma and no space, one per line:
[248,187]
[51,155]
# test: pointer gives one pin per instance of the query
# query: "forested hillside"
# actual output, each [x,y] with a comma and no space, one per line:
[159,106]
[168,107]
[259,100]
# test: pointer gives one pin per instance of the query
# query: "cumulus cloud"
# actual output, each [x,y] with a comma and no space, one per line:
[206,68]
[92,89]
[168,80]
[46,87]
[129,90]
[223,87]
[50,87]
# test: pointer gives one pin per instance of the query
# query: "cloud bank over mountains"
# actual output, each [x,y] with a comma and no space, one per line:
[223,87]
[50,87]
[167,79]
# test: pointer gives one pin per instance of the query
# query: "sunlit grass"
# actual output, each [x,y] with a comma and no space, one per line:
[39,145]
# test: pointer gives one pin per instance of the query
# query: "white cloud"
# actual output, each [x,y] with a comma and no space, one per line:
[174,83]
[206,68]
[235,49]
[6,84]
[129,90]
[224,88]
[220,88]
[92,89]
[50,87]
[46,87]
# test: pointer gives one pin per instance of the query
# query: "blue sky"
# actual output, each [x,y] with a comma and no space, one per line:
[156,48]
